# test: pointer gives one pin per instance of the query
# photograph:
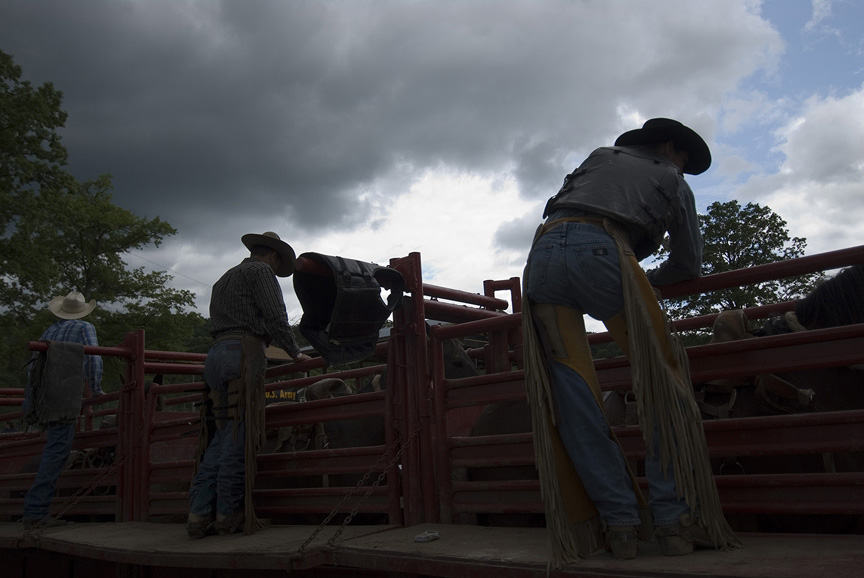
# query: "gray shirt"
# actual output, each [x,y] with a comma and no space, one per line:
[647,194]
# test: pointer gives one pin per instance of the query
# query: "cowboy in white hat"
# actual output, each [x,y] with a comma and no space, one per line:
[247,312]
[613,211]
[71,332]
[73,306]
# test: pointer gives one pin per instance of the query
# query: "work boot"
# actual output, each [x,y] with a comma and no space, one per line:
[622,541]
[46,522]
[199,526]
[230,524]
[680,539]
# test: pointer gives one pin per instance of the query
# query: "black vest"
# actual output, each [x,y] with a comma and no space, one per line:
[342,307]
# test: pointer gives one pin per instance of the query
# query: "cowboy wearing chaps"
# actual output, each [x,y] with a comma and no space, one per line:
[612,212]
[247,311]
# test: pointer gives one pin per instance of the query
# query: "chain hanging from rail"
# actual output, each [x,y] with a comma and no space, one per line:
[83,491]
[359,484]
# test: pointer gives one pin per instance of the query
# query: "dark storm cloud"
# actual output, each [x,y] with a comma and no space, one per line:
[516,235]
[209,111]
[194,107]
[216,108]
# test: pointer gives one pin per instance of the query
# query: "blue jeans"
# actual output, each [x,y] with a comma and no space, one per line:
[221,479]
[58,446]
[576,265]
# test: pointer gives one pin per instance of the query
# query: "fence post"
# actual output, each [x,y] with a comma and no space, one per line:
[441,449]
[414,396]
[131,451]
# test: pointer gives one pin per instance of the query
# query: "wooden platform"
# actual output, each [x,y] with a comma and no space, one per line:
[386,550]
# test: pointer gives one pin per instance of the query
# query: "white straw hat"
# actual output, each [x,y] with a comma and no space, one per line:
[72,306]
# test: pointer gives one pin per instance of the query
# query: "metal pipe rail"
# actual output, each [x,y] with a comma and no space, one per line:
[811,493]
[769,272]
[464,297]
[784,435]
[155,447]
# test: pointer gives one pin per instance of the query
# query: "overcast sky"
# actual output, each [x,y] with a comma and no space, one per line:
[374,128]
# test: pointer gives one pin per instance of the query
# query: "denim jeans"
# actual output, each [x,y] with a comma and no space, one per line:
[58,446]
[221,479]
[576,265]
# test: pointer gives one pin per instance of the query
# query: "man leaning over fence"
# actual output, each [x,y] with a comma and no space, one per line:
[612,212]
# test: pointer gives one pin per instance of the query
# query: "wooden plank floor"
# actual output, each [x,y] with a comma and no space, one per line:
[461,551]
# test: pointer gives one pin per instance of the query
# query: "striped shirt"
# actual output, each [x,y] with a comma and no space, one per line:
[83,332]
[248,299]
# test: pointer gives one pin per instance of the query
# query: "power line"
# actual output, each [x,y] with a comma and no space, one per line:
[168,269]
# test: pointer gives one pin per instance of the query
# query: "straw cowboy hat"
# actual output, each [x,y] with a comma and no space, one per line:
[72,306]
[272,240]
[661,129]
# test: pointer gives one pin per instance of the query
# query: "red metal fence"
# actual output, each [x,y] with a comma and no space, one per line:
[420,464]
[836,438]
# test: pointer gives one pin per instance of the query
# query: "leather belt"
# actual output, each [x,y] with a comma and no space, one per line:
[595,221]
[238,336]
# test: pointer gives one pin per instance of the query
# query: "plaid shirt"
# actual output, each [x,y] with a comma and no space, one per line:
[248,299]
[83,332]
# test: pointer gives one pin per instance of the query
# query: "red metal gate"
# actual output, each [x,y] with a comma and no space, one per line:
[427,418]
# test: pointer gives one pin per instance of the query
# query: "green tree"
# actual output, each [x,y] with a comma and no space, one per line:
[74,240]
[61,235]
[31,154]
[735,238]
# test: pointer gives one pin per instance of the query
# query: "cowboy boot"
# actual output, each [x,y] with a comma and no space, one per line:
[681,539]
[46,522]
[230,524]
[622,541]
[199,526]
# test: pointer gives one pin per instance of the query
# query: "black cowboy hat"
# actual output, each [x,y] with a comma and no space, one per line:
[272,240]
[660,129]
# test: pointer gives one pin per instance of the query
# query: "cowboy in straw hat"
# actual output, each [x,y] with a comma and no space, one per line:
[613,211]
[247,312]
[53,399]
[73,306]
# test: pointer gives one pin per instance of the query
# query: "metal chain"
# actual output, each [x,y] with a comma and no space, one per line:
[359,484]
[374,485]
[83,491]
[88,488]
